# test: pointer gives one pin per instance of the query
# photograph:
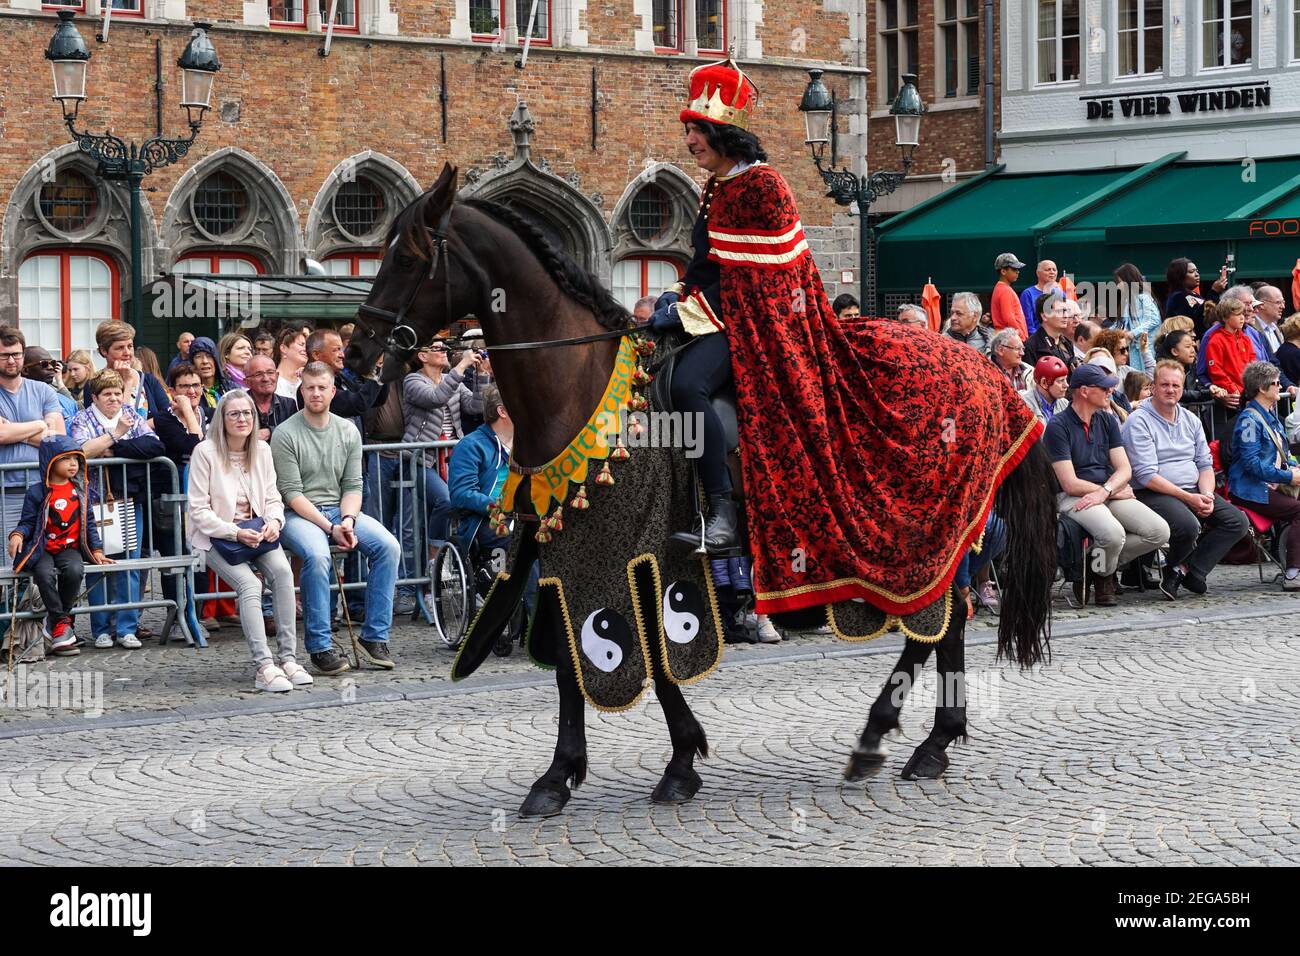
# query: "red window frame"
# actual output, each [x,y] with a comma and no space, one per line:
[289,24]
[354,258]
[645,261]
[212,258]
[65,255]
[681,30]
[123,13]
[76,8]
[338,27]
[519,27]
[711,51]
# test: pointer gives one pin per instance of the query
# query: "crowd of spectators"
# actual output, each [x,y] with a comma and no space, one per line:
[1165,427]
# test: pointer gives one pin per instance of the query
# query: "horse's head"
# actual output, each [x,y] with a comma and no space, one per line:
[415,294]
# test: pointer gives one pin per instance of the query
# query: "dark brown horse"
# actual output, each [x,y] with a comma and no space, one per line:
[446,259]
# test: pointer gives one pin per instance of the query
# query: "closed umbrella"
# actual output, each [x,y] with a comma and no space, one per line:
[932,304]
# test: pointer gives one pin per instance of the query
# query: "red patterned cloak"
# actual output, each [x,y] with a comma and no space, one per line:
[871,452]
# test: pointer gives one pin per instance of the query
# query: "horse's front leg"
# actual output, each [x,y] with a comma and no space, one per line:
[869,755]
[680,782]
[929,760]
[551,791]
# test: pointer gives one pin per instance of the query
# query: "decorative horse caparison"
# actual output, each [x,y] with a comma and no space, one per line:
[446,259]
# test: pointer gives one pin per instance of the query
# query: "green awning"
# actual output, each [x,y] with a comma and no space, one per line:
[1091,221]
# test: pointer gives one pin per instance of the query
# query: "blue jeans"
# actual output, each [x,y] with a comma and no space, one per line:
[124,586]
[312,546]
[995,540]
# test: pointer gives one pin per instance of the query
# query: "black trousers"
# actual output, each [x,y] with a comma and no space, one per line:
[58,577]
[1200,548]
[700,372]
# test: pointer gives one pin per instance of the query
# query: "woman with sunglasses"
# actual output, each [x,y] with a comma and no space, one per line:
[234,497]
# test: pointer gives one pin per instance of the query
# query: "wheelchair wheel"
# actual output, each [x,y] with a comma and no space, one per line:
[451,597]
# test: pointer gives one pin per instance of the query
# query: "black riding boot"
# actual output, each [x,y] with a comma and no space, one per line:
[721,529]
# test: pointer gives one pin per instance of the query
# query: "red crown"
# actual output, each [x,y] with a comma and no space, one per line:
[720,93]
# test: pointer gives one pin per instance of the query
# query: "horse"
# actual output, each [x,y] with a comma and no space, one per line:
[553,331]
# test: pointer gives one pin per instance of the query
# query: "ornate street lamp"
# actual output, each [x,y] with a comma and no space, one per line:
[118,161]
[846,187]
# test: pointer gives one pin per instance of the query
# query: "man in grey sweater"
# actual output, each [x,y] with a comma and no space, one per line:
[1174,476]
[318,471]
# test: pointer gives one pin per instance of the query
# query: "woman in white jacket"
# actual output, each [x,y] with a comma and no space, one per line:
[232,480]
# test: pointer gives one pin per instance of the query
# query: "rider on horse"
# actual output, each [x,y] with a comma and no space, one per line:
[871,454]
[716,136]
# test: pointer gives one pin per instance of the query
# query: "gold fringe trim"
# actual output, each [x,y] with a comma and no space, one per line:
[884,628]
[943,628]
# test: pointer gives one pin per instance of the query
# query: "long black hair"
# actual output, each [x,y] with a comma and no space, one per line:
[732,141]
[1176,275]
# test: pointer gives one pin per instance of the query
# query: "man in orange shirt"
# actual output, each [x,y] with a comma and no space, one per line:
[1005,306]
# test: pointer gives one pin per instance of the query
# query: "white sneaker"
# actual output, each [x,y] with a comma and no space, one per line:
[270,677]
[296,673]
[104,640]
[767,632]
[129,641]
[1291,583]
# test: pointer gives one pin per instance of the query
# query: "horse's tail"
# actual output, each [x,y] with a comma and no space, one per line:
[1025,503]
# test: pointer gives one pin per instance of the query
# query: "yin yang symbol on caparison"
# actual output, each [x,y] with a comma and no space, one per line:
[683,611]
[606,639]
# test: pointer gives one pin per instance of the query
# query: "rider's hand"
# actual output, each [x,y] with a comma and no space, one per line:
[668,298]
[665,318]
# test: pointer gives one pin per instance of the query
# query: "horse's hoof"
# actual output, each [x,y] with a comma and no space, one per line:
[927,763]
[674,788]
[865,763]
[544,801]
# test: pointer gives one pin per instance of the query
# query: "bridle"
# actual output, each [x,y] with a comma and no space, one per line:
[403,341]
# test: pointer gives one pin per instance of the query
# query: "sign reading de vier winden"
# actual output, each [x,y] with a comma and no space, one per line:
[1191,99]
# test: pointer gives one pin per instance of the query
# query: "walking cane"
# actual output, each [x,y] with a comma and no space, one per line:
[347,616]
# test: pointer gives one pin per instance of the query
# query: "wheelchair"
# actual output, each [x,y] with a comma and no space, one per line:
[458,585]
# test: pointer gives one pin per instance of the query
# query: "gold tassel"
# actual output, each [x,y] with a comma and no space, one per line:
[638,403]
[619,454]
[641,377]
[580,502]
[645,346]
[605,478]
[543,536]
[557,519]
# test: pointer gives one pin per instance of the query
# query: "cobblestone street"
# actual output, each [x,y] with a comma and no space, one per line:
[1161,733]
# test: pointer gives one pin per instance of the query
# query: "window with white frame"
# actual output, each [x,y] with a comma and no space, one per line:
[128,6]
[1295,31]
[959,45]
[899,43]
[1058,41]
[639,276]
[1226,32]
[1141,37]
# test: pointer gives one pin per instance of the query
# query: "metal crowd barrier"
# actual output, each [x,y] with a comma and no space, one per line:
[399,502]
[179,564]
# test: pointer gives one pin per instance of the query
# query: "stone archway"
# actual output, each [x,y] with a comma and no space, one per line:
[272,226]
[24,231]
[323,235]
[569,218]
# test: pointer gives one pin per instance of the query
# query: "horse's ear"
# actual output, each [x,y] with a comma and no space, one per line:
[441,193]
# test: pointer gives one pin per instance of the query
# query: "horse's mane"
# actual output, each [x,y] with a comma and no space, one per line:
[577,283]
[574,281]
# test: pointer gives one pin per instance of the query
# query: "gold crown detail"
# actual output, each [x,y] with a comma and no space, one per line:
[711,106]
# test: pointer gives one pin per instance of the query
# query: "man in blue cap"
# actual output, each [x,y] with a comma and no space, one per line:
[1086,449]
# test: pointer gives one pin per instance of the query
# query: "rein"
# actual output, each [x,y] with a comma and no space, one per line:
[403,340]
